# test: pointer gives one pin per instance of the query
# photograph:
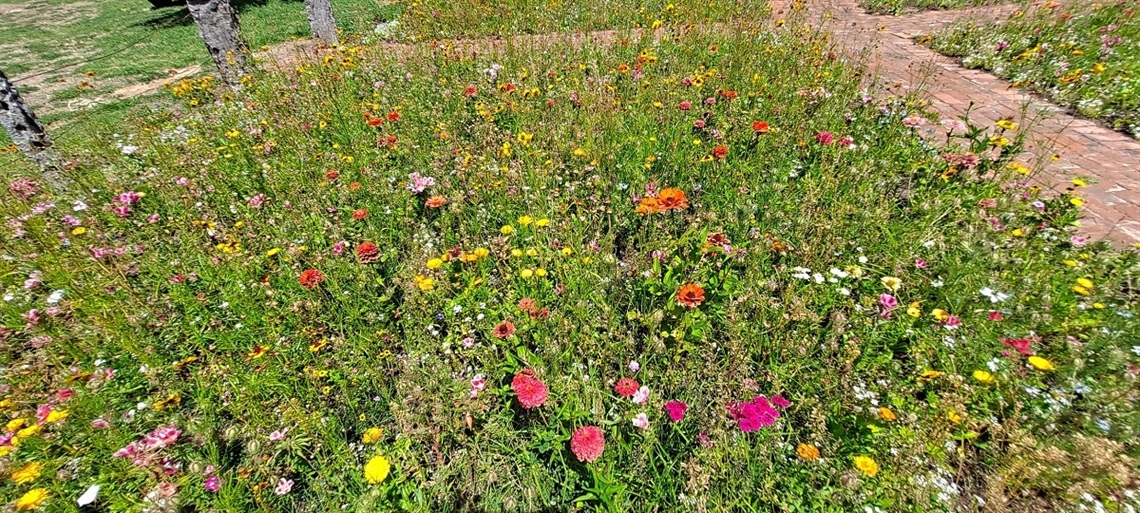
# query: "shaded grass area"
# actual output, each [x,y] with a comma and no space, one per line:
[904,6]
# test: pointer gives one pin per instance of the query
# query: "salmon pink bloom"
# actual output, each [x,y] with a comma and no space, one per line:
[530,390]
[626,387]
[587,443]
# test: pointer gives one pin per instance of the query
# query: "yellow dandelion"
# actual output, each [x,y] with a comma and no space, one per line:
[376,471]
[983,376]
[1040,363]
[32,499]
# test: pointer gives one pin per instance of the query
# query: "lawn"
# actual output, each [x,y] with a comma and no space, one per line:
[1080,55]
[688,267]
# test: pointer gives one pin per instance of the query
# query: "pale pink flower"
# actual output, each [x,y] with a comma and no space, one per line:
[640,421]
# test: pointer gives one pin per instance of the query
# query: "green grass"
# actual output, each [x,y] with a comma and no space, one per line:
[1078,55]
[130,40]
[541,154]
[897,7]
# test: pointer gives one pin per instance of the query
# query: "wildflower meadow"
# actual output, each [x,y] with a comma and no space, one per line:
[692,263]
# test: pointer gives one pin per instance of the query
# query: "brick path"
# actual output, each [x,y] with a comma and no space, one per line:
[1107,160]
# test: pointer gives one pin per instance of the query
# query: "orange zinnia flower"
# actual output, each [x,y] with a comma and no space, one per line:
[720,152]
[367,253]
[691,295]
[360,213]
[671,198]
[649,206]
[375,121]
[435,201]
[761,127]
[310,278]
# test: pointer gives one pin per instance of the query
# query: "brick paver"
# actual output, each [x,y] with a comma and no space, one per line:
[1108,160]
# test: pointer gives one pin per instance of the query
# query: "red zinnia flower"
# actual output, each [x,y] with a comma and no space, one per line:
[626,387]
[332,174]
[530,390]
[503,330]
[310,278]
[360,213]
[587,443]
[393,116]
[761,127]
[720,152]
[690,295]
[375,121]
[367,253]
[470,91]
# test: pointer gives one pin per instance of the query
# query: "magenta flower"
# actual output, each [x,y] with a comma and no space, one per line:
[676,410]
[754,415]
[213,483]
[824,137]
[888,301]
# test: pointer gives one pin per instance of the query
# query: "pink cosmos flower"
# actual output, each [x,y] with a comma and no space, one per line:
[676,410]
[284,486]
[478,384]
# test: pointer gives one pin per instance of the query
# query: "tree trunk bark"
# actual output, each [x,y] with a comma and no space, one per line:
[26,131]
[321,20]
[218,25]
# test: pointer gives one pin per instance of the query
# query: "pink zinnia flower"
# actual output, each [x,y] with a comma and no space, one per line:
[996,316]
[824,137]
[587,443]
[626,387]
[685,105]
[676,410]
[531,391]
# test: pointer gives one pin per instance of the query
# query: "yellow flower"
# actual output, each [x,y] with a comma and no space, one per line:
[79,231]
[1085,282]
[1019,168]
[15,424]
[507,229]
[272,252]
[1080,290]
[1079,183]
[983,376]
[32,499]
[866,465]
[567,251]
[999,141]
[1040,363]
[55,416]
[526,273]
[372,435]
[914,310]
[540,272]
[1070,263]
[516,252]
[525,220]
[532,252]
[434,263]
[1017,232]
[1099,68]
[1077,201]
[886,414]
[1007,124]
[28,474]
[542,222]
[425,284]
[29,431]
[940,314]
[1098,306]
[807,451]
[481,252]
[376,471]
[953,416]
[525,139]
[929,375]
[4,450]
[892,283]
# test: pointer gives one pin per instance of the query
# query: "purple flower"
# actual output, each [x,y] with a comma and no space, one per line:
[676,410]
[213,483]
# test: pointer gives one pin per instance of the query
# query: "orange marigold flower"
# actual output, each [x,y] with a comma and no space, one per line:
[690,295]
[807,451]
[360,213]
[671,198]
[310,278]
[435,202]
[367,253]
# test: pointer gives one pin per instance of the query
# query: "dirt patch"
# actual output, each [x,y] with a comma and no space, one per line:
[172,75]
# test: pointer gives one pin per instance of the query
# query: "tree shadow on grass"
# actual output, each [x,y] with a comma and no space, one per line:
[168,13]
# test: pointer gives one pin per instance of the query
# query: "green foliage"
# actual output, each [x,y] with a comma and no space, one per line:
[1080,55]
[800,233]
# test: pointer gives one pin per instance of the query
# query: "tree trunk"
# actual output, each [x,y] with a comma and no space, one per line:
[26,131]
[321,20]
[218,25]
